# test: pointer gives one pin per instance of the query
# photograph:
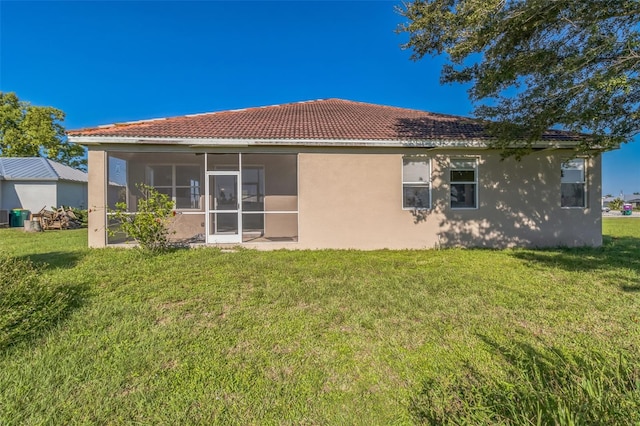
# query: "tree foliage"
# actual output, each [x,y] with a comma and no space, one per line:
[538,64]
[616,203]
[35,131]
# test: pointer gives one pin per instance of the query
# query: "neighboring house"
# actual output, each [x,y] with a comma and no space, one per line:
[33,183]
[341,174]
[606,201]
[633,199]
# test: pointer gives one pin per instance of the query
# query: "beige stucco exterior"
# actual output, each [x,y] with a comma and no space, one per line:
[96,167]
[355,201]
[352,199]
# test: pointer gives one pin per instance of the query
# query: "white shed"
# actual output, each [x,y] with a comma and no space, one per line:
[33,183]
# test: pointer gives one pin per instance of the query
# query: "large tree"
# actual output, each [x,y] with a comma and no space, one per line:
[35,131]
[538,64]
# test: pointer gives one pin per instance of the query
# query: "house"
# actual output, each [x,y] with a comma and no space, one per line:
[633,199]
[341,174]
[34,183]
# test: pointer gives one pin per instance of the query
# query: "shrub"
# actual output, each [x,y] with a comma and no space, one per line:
[149,225]
[616,204]
[29,304]
[80,214]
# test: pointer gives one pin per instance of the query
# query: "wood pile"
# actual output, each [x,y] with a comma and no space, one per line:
[58,219]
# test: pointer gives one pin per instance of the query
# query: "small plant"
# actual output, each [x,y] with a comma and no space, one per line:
[149,225]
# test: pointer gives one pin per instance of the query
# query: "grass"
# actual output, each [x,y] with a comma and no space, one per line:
[328,337]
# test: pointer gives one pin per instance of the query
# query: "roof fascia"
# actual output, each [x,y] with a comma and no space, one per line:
[229,142]
[31,179]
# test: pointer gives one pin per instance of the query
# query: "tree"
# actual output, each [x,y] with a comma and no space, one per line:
[616,203]
[538,64]
[35,131]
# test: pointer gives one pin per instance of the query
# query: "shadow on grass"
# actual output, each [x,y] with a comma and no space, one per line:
[542,386]
[631,288]
[40,309]
[55,259]
[30,302]
[616,256]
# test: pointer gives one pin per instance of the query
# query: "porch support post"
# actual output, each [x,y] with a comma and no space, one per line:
[96,164]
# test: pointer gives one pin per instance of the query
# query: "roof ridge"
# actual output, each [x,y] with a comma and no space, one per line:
[422,111]
[46,161]
[260,107]
[64,172]
[200,114]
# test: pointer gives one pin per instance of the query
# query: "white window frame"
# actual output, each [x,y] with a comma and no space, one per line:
[426,183]
[173,185]
[584,182]
[475,171]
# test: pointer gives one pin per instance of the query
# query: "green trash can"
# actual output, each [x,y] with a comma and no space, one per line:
[16,219]
[25,216]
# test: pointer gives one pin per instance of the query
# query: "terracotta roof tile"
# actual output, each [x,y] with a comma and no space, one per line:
[327,119]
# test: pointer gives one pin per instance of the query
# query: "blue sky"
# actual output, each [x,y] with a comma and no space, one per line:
[105,62]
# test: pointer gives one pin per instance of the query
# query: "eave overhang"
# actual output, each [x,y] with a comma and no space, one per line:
[231,143]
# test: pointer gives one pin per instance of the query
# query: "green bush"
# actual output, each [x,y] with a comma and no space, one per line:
[80,214]
[149,225]
[29,303]
[616,204]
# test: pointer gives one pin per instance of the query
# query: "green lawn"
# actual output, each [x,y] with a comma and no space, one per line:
[326,337]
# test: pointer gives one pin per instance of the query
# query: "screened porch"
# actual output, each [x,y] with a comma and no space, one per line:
[219,198]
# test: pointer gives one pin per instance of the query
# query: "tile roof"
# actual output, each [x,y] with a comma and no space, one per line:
[326,119]
[38,168]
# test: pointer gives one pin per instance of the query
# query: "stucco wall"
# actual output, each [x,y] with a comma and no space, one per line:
[72,194]
[30,195]
[34,195]
[96,167]
[355,201]
[352,198]
[187,227]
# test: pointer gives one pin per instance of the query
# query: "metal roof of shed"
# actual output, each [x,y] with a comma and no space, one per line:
[38,168]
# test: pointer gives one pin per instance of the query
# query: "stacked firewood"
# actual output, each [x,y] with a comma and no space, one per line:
[61,218]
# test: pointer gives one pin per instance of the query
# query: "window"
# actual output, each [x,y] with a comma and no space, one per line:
[464,184]
[416,182]
[573,184]
[180,182]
